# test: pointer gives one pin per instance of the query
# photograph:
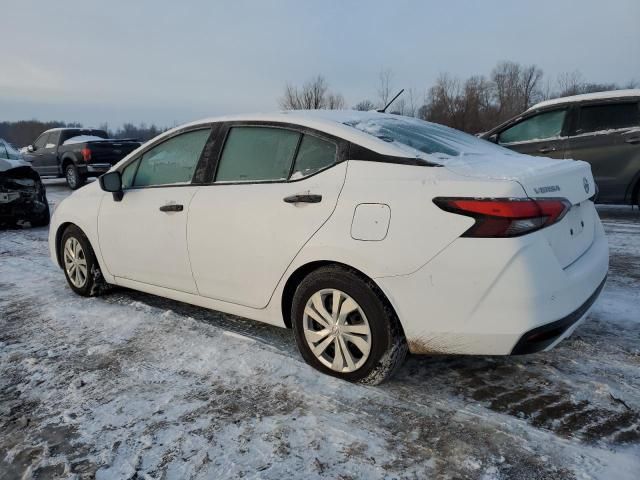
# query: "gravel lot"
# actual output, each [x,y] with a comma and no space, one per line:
[132,386]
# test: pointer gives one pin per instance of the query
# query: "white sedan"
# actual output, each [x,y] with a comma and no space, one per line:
[368,234]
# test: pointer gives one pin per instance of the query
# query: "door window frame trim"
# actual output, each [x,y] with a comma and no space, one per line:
[342,149]
[159,141]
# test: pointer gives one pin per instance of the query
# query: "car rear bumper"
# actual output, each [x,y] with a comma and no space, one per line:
[490,296]
[547,336]
[94,168]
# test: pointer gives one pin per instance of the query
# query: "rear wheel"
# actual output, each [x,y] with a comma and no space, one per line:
[73,177]
[343,327]
[79,263]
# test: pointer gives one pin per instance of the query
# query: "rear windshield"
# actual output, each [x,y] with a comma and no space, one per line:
[68,134]
[435,140]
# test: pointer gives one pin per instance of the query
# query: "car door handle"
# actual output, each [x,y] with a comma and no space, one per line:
[633,140]
[547,149]
[308,198]
[171,207]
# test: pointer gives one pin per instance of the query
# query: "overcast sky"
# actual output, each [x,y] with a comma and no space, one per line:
[168,62]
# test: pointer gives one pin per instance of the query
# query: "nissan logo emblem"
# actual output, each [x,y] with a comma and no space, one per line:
[585,182]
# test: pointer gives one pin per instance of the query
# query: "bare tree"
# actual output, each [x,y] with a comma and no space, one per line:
[530,78]
[313,95]
[365,106]
[384,86]
[569,83]
[335,101]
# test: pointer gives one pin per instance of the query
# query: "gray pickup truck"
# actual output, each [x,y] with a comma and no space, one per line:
[76,153]
[600,128]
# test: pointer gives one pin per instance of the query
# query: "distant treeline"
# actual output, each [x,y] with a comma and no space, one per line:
[474,104]
[24,132]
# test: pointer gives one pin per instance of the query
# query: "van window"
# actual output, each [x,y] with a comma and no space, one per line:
[608,117]
[539,127]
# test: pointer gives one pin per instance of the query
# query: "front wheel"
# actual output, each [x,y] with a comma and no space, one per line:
[73,177]
[345,328]
[79,263]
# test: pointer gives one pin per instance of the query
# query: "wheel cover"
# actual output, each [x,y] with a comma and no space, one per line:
[71,176]
[75,262]
[337,330]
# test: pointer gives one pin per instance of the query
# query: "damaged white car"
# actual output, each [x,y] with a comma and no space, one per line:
[368,234]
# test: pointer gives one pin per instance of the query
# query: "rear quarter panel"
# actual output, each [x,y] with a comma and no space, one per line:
[418,229]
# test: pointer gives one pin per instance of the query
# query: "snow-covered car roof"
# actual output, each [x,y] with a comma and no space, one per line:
[358,127]
[634,92]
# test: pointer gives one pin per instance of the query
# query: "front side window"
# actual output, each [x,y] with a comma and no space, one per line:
[172,162]
[129,173]
[257,154]
[41,141]
[314,154]
[608,117]
[543,126]
[52,141]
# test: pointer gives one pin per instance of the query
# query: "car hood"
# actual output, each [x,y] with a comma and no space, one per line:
[7,164]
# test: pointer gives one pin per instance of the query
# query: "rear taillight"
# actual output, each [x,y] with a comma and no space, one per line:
[506,217]
[86,154]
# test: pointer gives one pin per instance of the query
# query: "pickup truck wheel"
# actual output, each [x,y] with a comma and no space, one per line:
[74,179]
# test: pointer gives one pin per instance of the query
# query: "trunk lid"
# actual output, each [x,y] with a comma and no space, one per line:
[545,178]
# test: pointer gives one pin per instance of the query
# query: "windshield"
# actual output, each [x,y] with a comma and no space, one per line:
[7,151]
[432,139]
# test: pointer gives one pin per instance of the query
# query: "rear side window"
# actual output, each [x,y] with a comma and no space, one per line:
[540,127]
[314,154]
[608,117]
[257,154]
[3,151]
[173,161]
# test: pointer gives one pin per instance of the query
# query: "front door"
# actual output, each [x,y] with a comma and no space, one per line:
[143,236]
[44,156]
[541,134]
[274,188]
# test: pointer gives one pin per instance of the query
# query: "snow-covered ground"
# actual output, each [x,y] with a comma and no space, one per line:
[132,386]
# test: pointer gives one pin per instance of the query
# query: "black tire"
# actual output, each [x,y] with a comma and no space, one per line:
[388,344]
[73,177]
[41,219]
[94,282]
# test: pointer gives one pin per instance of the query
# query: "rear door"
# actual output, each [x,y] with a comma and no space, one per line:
[541,134]
[272,189]
[607,135]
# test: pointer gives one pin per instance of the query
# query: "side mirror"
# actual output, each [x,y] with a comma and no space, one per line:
[112,182]
[30,148]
